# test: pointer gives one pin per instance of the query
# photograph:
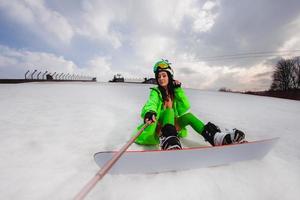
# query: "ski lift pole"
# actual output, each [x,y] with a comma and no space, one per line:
[102,172]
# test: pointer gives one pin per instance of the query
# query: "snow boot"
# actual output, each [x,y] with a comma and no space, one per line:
[169,139]
[215,137]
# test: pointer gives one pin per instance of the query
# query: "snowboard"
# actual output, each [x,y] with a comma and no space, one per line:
[157,161]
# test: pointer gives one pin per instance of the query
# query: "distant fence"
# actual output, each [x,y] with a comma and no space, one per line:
[39,76]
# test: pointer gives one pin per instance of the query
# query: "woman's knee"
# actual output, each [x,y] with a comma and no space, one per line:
[189,115]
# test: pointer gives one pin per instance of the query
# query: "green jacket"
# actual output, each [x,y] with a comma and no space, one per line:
[155,103]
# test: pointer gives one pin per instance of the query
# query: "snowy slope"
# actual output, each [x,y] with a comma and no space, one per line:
[50,131]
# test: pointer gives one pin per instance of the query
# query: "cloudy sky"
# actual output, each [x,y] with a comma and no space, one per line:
[211,44]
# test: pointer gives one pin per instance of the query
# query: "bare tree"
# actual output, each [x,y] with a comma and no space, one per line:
[296,73]
[224,89]
[283,75]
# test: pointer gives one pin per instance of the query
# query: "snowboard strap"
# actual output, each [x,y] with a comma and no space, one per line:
[218,138]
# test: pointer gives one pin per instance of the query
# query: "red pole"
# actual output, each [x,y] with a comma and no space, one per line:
[101,173]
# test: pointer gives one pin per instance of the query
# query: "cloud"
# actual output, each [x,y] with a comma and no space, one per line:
[203,76]
[204,18]
[186,71]
[264,74]
[100,67]
[98,20]
[14,63]
[153,47]
[247,26]
[33,15]
[293,41]
[128,37]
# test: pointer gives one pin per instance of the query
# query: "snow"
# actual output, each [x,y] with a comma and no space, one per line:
[50,131]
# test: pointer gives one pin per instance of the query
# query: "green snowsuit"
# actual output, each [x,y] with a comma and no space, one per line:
[180,107]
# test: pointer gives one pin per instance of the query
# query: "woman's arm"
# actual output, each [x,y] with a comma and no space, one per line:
[152,103]
[183,103]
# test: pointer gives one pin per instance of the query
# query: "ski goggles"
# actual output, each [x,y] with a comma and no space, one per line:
[163,66]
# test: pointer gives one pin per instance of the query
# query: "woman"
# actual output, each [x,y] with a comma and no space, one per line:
[166,110]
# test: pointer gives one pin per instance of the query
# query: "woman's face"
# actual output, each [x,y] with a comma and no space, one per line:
[163,78]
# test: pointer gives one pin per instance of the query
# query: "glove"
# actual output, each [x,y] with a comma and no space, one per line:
[176,84]
[150,116]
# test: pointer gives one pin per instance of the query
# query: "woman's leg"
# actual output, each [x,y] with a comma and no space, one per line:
[168,117]
[210,132]
[168,138]
[192,120]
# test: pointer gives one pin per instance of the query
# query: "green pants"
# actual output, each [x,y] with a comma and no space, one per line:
[168,117]
[149,135]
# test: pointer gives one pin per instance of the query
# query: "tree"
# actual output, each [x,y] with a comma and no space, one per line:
[224,89]
[284,77]
[296,73]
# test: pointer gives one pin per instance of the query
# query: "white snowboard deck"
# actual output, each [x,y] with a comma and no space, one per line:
[156,161]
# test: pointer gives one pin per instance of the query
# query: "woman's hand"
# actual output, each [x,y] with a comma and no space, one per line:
[176,83]
[150,117]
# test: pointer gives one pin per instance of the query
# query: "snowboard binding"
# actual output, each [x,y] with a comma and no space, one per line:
[215,137]
[169,139]
[234,136]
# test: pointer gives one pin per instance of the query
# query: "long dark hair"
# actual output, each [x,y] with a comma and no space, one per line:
[170,87]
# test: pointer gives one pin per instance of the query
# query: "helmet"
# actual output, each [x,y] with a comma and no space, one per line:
[163,65]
